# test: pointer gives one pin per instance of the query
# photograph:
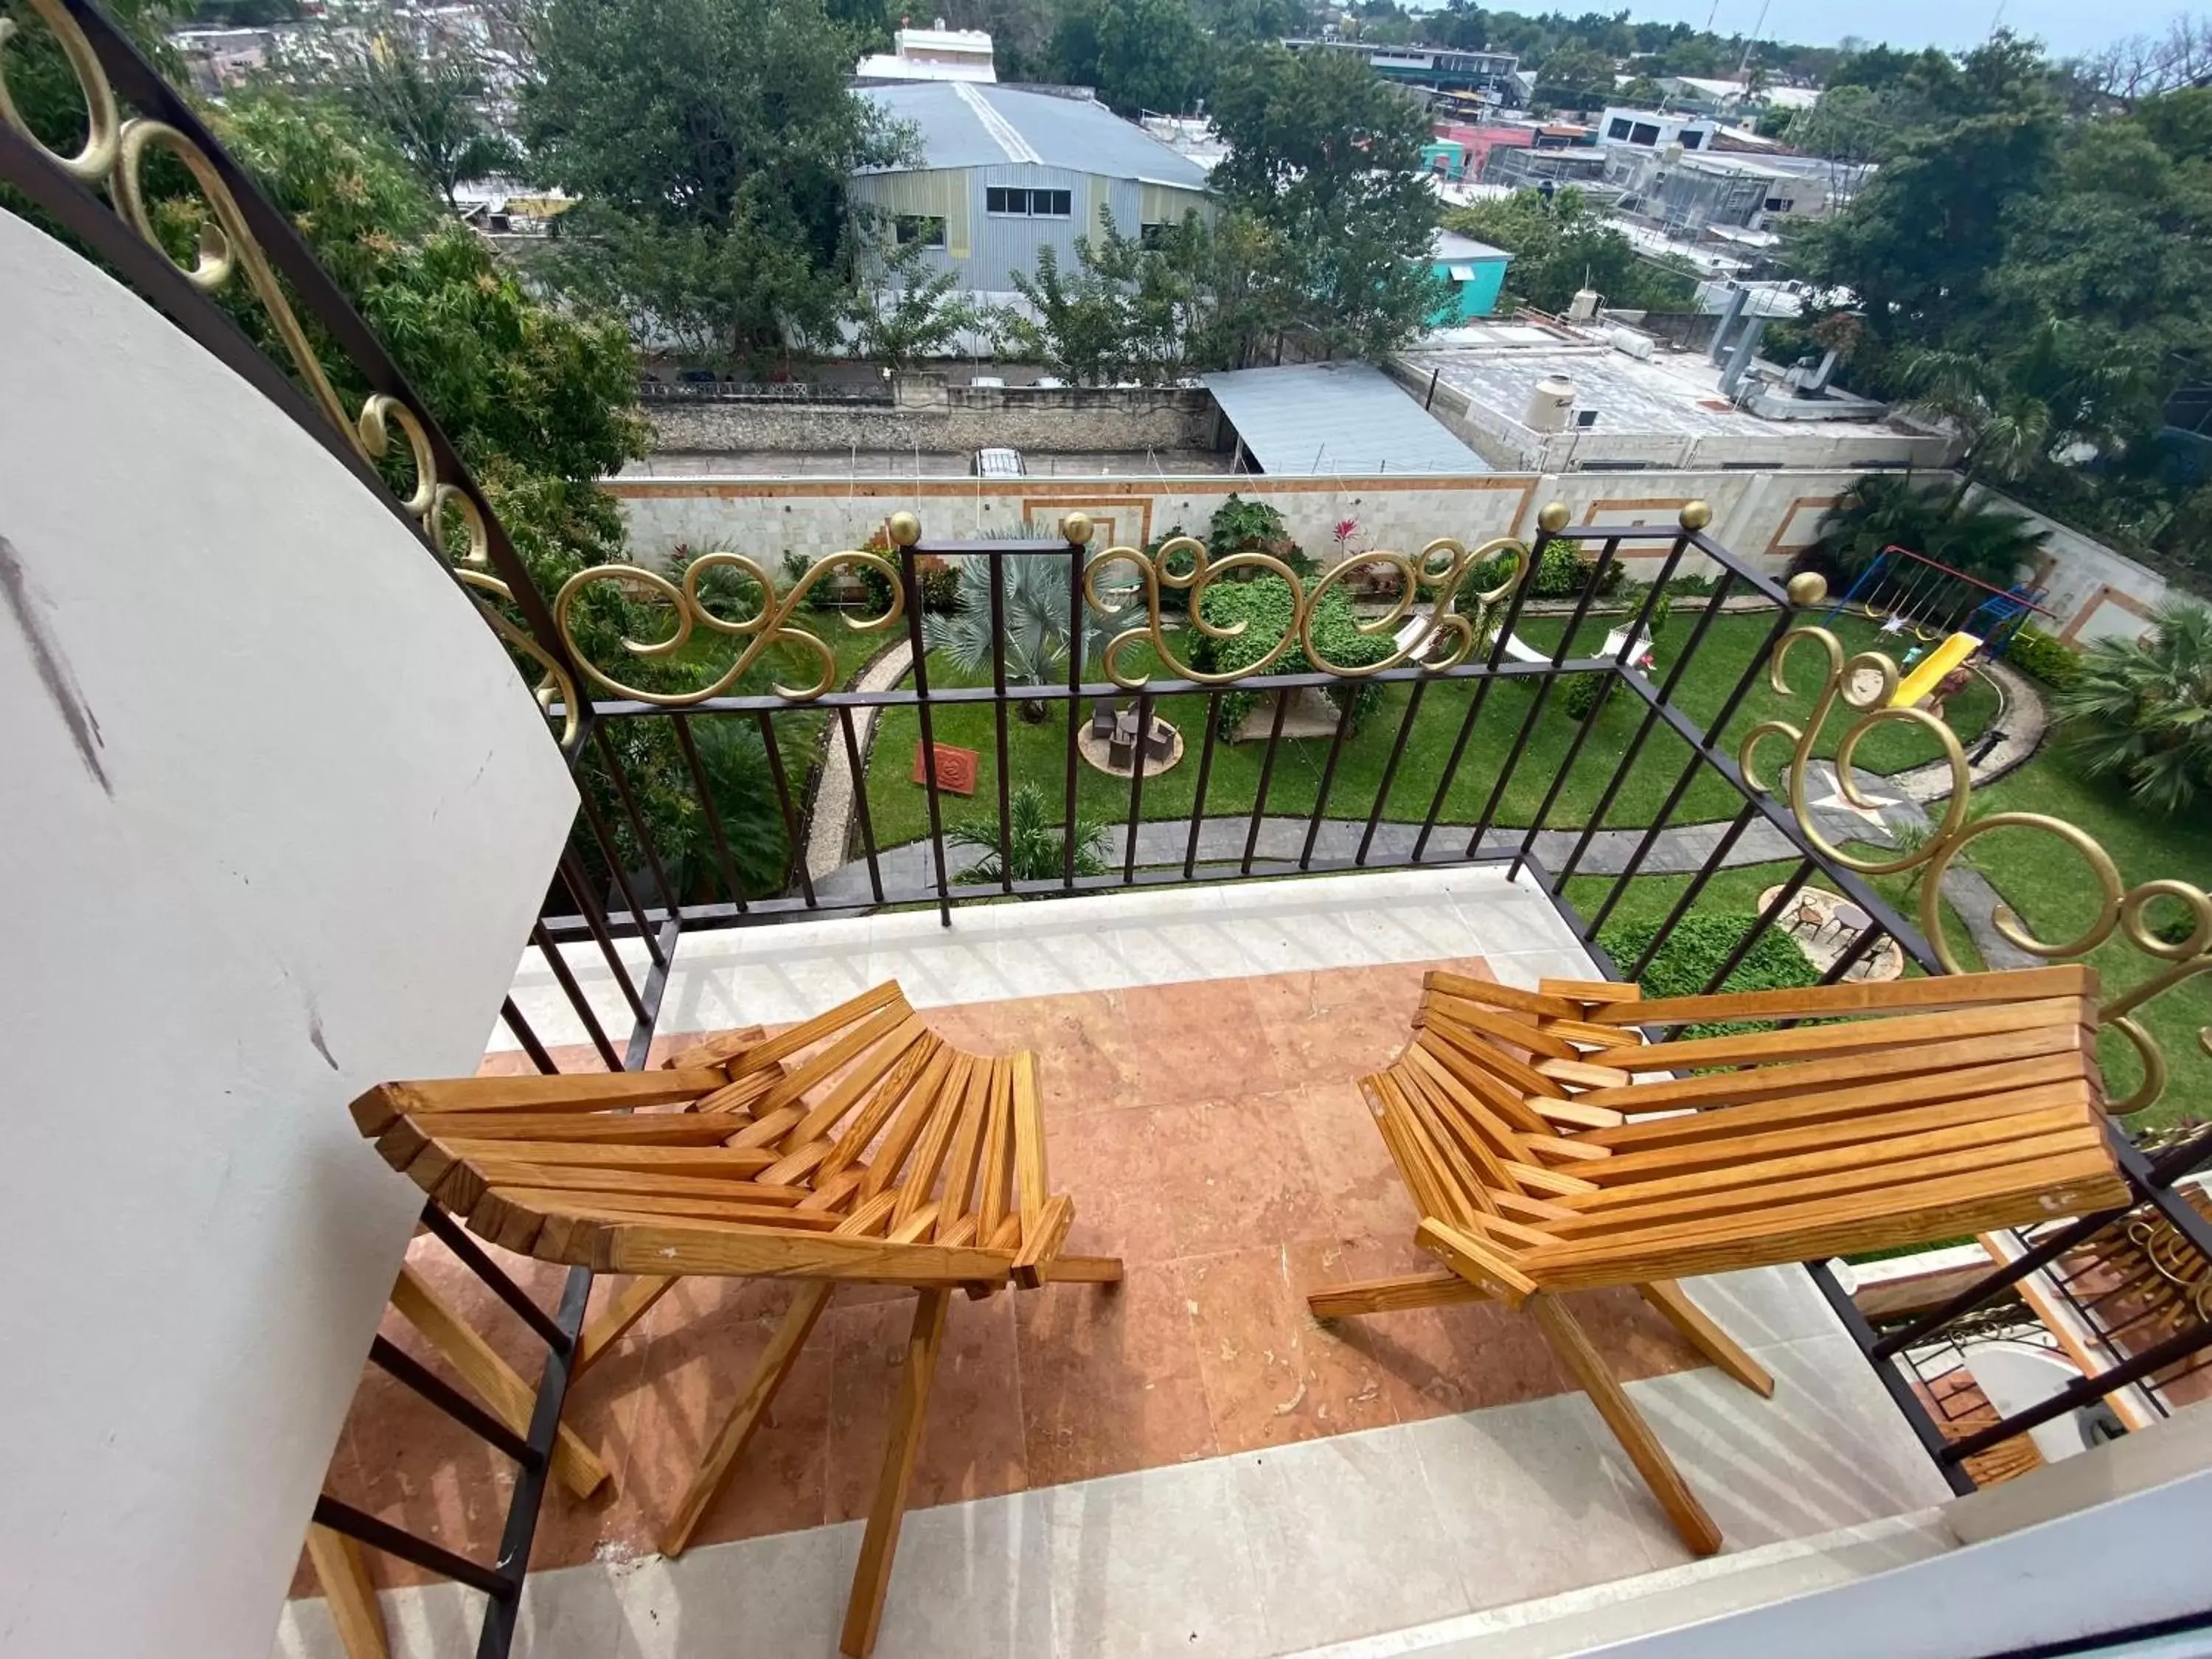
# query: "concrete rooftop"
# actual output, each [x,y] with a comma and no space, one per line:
[1675,394]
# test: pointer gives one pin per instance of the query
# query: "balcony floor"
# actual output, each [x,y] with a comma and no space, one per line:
[1186,1463]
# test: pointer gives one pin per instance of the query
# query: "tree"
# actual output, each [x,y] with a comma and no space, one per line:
[711,140]
[2141,710]
[908,309]
[1919,242]
[1076,324]
[1577,76]
[1562,247]
[2015,409]
[1325,155]
[1883,510]
[1141,54]
[429,105]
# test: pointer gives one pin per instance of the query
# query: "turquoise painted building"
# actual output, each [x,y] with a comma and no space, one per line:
[1445,157]
[1475,270]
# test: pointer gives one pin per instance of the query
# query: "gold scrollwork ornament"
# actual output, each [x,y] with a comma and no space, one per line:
[1865,684]
[770,625]
[1442,564]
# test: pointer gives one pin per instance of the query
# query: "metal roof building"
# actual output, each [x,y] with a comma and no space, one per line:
[1319,419]
[1005,171]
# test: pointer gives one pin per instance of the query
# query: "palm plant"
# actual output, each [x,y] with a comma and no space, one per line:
[1035,850]
[1883,510]
[2141,710]
[1036,604]
[2051,393]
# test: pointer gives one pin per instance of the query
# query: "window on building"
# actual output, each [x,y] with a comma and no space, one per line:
[1643,133]
[1618,128]
[1029,203]
[1692,140]
[1776,204]
[1153,236]
[927,229]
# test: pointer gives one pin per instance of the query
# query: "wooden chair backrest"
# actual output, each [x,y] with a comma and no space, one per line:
[856,1145]
[1543,1126]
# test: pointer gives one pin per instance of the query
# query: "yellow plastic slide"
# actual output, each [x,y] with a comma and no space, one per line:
[1928,673]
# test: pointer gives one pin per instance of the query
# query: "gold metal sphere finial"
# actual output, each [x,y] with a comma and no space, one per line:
[1553,518]
[1075,529]
[905,529]
[1696,515]
[1807,588]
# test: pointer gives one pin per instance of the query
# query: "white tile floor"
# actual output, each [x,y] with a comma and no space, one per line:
[1271,1552]
[1345,1540]
[788,971]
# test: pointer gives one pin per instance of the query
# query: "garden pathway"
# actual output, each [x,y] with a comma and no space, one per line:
[830,814]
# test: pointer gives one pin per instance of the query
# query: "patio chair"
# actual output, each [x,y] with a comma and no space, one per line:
[1102,718]
[1159,742]
[1548,1147]
[858,1148]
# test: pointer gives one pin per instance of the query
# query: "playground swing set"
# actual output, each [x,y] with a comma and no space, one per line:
[1957,615]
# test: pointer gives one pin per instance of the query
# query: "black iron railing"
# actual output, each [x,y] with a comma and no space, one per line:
[680,830]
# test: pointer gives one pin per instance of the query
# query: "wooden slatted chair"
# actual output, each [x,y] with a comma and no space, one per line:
[1548,1146]
[858,1147]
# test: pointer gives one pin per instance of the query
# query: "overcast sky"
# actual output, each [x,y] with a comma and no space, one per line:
[2067,27]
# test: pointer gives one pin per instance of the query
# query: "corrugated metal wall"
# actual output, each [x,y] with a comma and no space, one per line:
[986,248]
[940,194]
[1166,204]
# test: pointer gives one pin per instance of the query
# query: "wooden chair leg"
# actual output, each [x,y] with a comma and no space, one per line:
[621,1311]
[346,1590]
[499,1385]
[864,1614]
[1707,1338]
[1572,1343]
[1395,1294]
[729,1442]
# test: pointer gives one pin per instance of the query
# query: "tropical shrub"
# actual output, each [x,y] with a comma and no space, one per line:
[1036,849]
[1694,950]
[2140,711]
[1562,573]
[1034,602]
[1242,526]
[1884,510]
[2036,654]
[1578,696]
[1265,607]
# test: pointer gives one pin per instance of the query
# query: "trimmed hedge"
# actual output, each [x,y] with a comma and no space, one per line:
[1562,574]
[1264,606]
[2039,656]
[1694,950]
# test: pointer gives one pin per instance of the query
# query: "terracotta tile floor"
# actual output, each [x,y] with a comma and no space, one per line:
[1212,1135]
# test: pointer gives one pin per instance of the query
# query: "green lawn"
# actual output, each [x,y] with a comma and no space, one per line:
[1037,752]
[2047,882]
[2045,879]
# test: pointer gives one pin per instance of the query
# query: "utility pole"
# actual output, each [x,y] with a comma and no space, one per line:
[1752,41]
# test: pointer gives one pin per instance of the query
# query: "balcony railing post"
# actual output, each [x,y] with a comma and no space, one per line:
[905,531]
[1076,530]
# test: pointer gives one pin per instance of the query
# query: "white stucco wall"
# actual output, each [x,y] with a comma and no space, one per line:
[1764,516]
[2096,593]
[278,812]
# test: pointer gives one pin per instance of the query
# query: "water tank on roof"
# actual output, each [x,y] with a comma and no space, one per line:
[1584,306]
[1633,342]
[1549,402]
